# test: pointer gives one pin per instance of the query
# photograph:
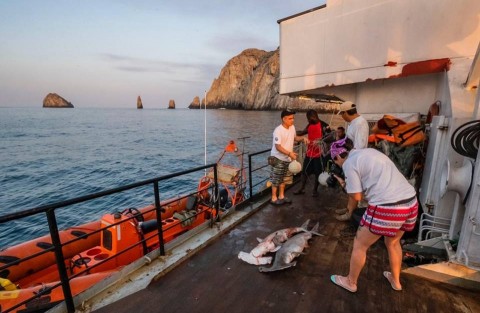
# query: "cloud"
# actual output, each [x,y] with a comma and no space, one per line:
[187,70]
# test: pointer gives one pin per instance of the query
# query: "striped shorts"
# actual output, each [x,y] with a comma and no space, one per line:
[388,219]
[280,174]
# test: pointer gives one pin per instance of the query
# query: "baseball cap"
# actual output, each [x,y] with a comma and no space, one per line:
[287,112]
[345,106]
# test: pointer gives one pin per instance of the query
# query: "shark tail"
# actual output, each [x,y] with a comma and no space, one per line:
[274,268]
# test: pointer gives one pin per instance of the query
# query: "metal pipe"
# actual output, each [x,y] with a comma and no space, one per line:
[45,208]
[250,179]
[159,218]
[67,292]
[215,191]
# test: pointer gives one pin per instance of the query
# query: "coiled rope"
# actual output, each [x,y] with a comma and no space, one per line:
[466,139]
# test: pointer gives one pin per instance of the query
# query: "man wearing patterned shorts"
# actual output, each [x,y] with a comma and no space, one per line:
[282,153]
[392,208]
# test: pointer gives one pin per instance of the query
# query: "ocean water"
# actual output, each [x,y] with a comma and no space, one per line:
[50,155]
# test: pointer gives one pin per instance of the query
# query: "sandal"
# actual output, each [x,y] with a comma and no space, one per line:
[389,277]
[344,217]
[342,282]
[299,192]
[286,200]
[277,202]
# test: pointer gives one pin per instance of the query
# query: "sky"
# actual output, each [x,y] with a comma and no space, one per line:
[99,53]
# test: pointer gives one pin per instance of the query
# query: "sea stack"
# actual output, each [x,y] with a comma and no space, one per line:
[195,103]
[52,100]
[139,103]
[171,104]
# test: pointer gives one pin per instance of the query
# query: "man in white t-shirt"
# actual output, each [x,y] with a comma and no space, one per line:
[392,208]
[282,150]
[358,129]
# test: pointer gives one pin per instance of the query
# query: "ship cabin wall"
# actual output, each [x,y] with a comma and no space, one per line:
[398,56]
[350,41]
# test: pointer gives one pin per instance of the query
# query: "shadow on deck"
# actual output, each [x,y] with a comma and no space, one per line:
[215,280]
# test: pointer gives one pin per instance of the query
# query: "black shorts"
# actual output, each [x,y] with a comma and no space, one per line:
[312,166]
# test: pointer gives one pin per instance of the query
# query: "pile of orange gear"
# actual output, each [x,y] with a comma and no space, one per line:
[395,130]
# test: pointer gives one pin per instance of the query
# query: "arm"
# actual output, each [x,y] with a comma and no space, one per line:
[353,199]
[290,154]
[301,139]
[302,132]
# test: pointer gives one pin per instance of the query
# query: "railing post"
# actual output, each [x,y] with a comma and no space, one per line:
[215,178]
[250,179]
[159,217]
[67,292]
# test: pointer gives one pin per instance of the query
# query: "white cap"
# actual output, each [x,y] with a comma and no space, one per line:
[345,106]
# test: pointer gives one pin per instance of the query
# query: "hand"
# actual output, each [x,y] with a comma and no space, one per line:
[306,141]
[292,155]
[340,181]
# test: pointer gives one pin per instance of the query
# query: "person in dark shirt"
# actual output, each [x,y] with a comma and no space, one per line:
[313,159]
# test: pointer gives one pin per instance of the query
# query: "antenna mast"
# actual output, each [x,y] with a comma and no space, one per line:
[205,125]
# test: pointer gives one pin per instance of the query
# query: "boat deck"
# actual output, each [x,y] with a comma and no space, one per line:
[215,280]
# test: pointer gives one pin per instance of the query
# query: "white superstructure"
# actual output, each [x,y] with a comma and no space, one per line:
[400,57]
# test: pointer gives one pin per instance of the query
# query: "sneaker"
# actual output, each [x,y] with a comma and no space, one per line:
[344,217]
[341,211]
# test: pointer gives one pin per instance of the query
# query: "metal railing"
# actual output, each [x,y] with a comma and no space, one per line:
[57,245]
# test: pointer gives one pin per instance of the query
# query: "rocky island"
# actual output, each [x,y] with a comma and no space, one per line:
[52,100]
[195,104]
[171,104]
[250,81]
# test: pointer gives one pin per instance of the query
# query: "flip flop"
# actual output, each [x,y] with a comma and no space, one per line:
[389,277]
[286,200]
[342,282]
[277,202]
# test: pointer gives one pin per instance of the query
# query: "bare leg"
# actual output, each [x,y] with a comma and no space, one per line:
[274,193]
[395,256]
[363,240]
[281,191]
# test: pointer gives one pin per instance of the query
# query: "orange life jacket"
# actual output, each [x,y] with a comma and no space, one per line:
[396,130]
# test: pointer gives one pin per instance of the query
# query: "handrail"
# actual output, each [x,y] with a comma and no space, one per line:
[57,245]
[44,208]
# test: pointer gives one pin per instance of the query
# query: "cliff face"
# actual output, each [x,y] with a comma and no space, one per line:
[250,81]
[52,100]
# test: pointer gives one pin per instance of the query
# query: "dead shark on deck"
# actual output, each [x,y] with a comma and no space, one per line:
[292,248]
[271,243]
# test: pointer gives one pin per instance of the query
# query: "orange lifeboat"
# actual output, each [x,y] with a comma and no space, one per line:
[39,299]
[34,261]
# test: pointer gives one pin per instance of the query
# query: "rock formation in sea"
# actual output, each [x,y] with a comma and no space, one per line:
[195,103]
[139,103]
[171,104]
[52,100]
[250,81]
